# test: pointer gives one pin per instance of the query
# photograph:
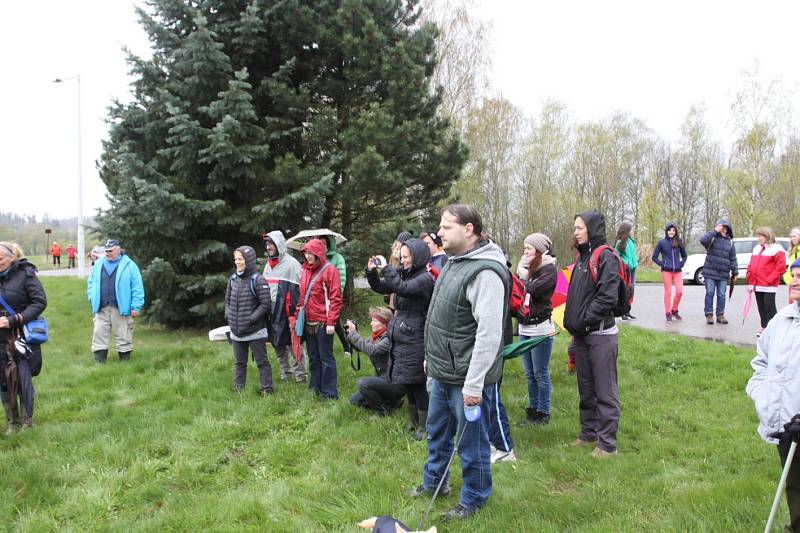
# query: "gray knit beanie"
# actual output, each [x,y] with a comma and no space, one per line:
[539,241]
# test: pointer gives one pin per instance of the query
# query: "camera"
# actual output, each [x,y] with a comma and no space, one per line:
[376,262]
[355,325]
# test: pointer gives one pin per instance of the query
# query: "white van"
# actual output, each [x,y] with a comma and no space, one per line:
[693,269]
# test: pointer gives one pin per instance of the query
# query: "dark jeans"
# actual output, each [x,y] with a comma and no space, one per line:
[321,364]
[377,394]
[445,421]
[596,365]
[499,429]
[792,482]
[71,262]
[56,260]
[718,286]
[240,353]
[766,307]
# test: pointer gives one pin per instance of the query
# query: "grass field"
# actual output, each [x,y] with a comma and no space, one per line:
[161,444]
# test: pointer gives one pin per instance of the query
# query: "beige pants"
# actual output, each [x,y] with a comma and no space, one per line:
[109,319]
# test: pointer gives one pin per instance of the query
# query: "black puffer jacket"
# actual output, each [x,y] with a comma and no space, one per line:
[245,312]
[23,292]
[720,260]
[541,285]
[590,305]
[406,331]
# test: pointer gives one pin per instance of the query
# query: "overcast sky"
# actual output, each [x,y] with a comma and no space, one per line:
[651,59]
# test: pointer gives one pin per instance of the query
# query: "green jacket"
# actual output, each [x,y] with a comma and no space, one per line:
[336,259]
[629,257]
[463,330]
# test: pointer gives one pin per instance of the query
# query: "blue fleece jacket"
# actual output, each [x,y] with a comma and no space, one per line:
[669,258]
[128,285]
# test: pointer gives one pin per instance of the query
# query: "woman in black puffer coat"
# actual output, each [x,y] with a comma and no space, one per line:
[412,285]
[247,310]
[23,292]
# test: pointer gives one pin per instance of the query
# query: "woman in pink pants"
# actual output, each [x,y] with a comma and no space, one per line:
[670,255]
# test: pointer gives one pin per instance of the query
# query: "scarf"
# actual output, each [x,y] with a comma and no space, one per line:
[376,334]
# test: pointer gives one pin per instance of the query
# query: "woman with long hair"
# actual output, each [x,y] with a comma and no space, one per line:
[670,255]
[626,247]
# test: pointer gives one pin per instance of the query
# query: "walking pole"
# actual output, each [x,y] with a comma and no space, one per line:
[781,486]
[474,415]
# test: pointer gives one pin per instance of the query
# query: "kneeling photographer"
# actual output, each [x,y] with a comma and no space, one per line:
[375,393]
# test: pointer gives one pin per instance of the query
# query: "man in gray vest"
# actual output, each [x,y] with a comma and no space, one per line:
[463,342]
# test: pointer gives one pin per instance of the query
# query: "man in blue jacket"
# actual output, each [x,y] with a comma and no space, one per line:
[720,266]
[116,294]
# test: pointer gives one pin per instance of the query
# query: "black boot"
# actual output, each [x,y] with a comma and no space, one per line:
[542,418]
[419,434]
[413,418]
[531,415]
[124,356]
[100,356]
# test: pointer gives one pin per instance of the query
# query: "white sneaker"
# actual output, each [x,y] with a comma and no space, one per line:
[500,456]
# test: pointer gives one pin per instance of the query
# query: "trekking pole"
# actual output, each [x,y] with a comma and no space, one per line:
[447,468]
[781,486]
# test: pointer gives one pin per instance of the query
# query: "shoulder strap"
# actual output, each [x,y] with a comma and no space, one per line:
[5,304]
[313,281]
[253,284]
[594,260]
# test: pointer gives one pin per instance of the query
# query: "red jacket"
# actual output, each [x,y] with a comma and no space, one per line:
[55,250]
[767,265]
[72,251]
[327,288]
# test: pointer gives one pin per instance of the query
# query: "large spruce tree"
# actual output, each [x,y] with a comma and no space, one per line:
[261,115]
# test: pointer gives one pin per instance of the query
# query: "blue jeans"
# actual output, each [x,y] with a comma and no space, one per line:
[445,421]
[536,363]
[321,364]
[718,285]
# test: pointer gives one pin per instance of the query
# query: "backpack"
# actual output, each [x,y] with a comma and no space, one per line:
[625,292]
[520,299]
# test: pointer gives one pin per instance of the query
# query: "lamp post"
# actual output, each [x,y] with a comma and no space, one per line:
[81,244]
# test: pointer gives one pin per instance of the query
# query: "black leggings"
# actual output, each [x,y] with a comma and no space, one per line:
[417,394]
[766,306]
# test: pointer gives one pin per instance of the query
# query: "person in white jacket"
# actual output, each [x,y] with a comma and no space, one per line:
[775,387]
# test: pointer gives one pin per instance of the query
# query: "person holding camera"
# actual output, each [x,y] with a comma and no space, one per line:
[775,388]
[375,393]
[412,286]
[24,294]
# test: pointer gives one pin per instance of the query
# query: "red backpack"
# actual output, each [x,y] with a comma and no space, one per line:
[520,299]
[625,292]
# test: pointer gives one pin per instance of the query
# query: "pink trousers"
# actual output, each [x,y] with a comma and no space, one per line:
[670,279]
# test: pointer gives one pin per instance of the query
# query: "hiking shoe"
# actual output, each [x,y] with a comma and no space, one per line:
[600,453]
[420,490]
[264,392]
[28,423]
[542,419]
[531,415]
[669,317]
[721,319]
[709,319]
[580,442]
[459,512]
[499,456]
[625,317]
[631,317]
[676,316]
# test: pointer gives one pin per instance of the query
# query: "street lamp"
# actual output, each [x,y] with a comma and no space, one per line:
[81,244]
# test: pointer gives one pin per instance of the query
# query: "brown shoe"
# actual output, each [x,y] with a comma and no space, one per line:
[709,319]
[721,319]
[600,453]
[580,442]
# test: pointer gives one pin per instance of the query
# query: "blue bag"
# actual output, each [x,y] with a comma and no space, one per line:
[35,331]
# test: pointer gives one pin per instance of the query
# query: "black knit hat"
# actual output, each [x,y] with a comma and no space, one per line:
[432,235]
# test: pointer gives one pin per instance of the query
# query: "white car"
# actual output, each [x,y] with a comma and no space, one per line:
[693,269]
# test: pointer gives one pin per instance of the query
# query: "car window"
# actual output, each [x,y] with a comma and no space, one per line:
[745,247]
[785,244]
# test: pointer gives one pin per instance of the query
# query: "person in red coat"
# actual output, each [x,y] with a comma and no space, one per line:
[767,265]
[72,253]
[55,251]
[318,311]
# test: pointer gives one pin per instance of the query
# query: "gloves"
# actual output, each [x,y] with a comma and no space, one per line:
[793,428]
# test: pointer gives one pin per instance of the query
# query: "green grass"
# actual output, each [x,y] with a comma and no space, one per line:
[161,444]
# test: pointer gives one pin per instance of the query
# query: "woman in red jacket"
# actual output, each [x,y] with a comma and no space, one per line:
[767,265]
[321,302]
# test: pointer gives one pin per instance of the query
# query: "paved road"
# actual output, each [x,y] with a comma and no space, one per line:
[648,308]
[64,271]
